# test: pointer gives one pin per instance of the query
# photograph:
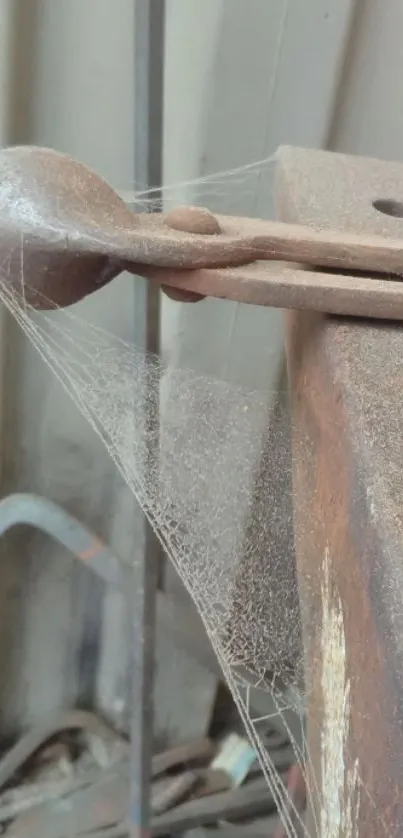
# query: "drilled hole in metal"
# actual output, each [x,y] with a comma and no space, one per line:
[389,207]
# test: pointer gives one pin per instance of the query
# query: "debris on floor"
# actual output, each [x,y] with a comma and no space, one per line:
[71,777]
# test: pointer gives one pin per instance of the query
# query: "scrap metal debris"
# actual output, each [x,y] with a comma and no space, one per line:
[70,776]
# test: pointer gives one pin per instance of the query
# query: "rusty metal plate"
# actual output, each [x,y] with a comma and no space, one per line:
[345,378]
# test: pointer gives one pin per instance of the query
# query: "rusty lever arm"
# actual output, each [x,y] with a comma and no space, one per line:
[285,286]
[239,241]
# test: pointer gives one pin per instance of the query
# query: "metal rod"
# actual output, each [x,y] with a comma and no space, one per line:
[148,137]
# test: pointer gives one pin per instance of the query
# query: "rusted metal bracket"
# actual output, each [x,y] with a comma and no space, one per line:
[345,380]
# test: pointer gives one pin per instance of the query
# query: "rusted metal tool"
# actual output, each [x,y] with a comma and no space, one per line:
[65,233]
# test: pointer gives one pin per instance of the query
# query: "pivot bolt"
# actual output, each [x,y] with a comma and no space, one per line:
[193,220]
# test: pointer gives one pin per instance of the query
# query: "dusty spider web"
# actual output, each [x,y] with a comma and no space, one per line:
[213,476]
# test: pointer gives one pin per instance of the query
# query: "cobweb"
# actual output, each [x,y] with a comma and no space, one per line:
[212,472]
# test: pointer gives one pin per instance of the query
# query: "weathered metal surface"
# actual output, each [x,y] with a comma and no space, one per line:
[345,378]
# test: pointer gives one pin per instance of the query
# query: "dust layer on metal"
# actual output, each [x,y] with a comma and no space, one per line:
[345,380]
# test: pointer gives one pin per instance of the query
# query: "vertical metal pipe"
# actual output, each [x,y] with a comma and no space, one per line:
[148,139]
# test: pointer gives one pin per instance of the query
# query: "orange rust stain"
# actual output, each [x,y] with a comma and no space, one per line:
[95,547]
